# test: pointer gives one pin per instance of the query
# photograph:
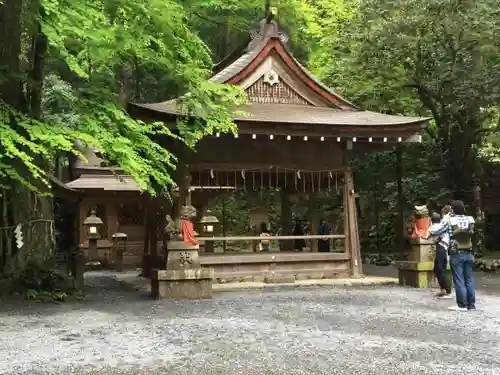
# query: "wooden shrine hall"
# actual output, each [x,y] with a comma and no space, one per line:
[295,134]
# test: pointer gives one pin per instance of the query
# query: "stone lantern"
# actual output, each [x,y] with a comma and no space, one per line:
[92,224]
[209,226]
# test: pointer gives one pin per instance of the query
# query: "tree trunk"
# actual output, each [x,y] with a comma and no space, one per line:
[22,208]
[11,91]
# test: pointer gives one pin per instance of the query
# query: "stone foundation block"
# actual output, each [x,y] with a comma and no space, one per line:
[182,284]
[301,277]
[315,275]
[258,279]
[417,274]
[279,279]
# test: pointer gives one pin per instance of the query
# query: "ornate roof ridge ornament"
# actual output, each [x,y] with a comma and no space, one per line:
[268,29]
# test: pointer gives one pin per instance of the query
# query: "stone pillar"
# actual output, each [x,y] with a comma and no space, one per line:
[417,271]
[184,278]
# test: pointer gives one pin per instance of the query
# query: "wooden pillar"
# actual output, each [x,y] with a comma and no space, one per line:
[286,220]
[205,246]
[84,208]
[146,257]
[183,183]
[400,235]
[112,213]
[313,220]
[351,224]
[153,235]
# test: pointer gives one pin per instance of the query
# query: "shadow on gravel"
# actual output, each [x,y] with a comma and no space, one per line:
[101,293]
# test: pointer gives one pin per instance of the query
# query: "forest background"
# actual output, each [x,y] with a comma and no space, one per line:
[68,68]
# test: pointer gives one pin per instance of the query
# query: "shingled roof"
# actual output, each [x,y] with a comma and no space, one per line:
[103,182]
[267,67]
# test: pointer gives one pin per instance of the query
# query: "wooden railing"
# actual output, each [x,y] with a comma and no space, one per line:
[272,238]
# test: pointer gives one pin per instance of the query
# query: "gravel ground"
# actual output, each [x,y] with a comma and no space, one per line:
[362,331]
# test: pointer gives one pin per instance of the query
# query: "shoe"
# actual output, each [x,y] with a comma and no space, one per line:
[446,296]
[440,294]
[456,308]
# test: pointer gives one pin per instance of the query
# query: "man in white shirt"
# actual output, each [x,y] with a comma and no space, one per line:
[460,228]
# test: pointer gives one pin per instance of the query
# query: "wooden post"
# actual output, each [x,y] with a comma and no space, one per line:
[313,221]
[183,182]
[223,223]
[112,220]
[207,246]
[286,220]
[153,234]
[400,235]
[112,213]
[146,257]
[84,208]
[351,224]
[345,194]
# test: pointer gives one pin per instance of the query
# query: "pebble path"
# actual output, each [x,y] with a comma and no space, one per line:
[362,331]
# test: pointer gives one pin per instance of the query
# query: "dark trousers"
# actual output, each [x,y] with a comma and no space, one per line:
[323,246]
[440,265]
[462,267]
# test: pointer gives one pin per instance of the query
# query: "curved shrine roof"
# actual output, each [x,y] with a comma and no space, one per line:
[300,114]
[282,91]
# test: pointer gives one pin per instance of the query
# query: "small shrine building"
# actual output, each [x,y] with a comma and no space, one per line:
[296,135]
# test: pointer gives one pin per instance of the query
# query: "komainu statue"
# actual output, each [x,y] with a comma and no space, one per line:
[421,223]
[182,229]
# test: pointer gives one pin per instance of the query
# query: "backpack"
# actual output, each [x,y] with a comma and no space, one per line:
[462,231]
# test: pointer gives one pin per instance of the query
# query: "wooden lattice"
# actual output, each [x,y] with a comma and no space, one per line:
[130,214]
[131,220]
[279,93]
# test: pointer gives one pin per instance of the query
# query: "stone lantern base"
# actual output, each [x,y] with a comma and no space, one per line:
[417,271]
[183,277]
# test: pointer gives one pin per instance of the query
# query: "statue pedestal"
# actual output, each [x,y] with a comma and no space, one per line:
[183,277]
[417,271]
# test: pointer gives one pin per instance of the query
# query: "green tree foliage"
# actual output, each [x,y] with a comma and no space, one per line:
[441,52]
[434,57]
[225,24]
[67,70]
[105,44]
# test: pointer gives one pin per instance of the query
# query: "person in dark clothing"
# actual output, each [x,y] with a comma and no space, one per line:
[299,243]
[441,259]
[323,244]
